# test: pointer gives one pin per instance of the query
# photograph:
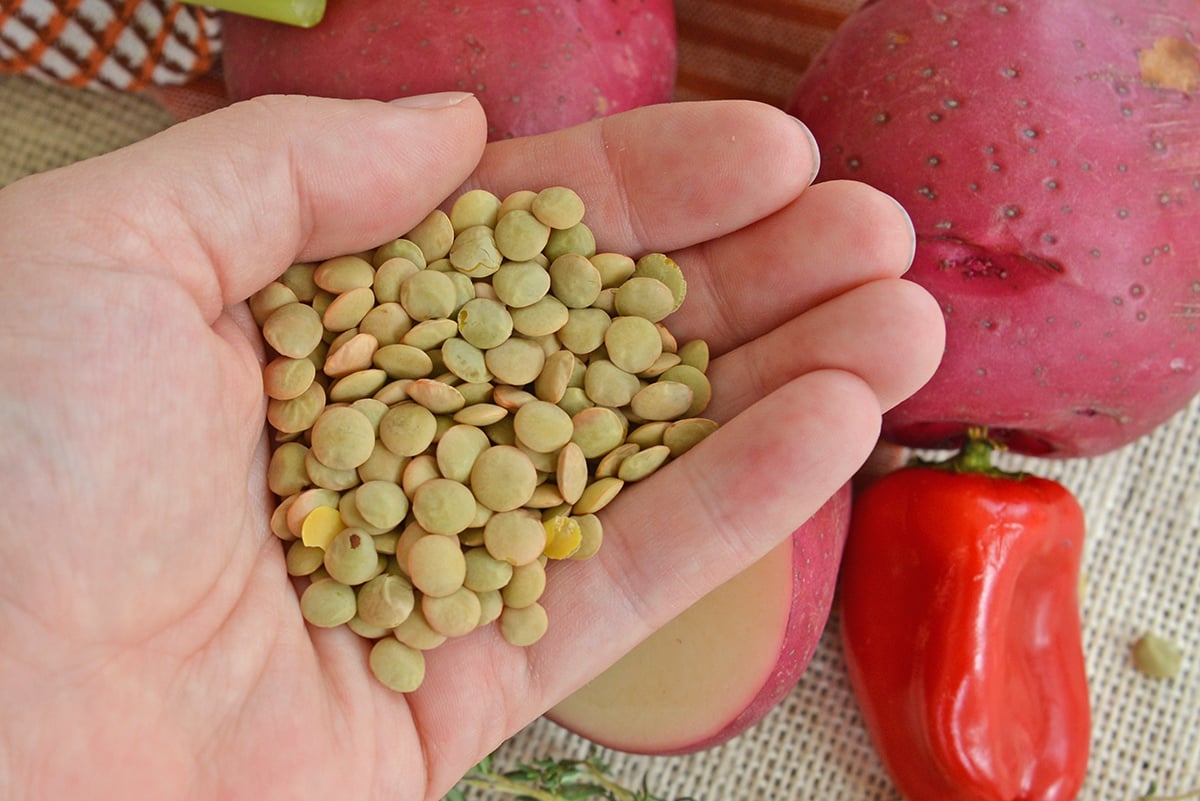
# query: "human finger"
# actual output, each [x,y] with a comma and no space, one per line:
[225,202]
[724,187]
[835,236]
[664,177]
[832,335]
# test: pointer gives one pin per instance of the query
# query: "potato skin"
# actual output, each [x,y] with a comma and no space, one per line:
[1049,156]
[623,709]
[535,67]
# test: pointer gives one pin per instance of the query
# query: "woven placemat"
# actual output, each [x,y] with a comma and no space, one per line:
[1142,502]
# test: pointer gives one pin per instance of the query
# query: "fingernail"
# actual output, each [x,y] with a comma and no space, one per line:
[816,149]
[912,253]
[435,100]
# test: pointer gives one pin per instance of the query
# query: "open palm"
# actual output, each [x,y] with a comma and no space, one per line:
[151,644]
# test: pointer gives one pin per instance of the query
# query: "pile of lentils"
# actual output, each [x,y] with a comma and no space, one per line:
[452,409]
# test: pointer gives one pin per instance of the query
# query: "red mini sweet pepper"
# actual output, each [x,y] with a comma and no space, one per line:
[960,621]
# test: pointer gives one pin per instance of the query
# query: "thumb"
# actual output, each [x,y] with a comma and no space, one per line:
[223,203]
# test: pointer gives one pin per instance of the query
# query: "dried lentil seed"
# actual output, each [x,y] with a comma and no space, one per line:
[342,438]
[525,626]
[639,465]
[399,248]
[465,404]
[348,309]
[592,536]
[662,400]
[443,506]
[682,435]
[390,275]
[397,666]
[416,633]
[433,235]
[503,478]
[293,330]
[356,353]
[514,537]
[358,385]
[286,474]
[343,273]
[436,564]
[557,207]
[453,615]
[268,299]
[475,207]
[520,236]
[285,377]
[644,297]
[327,603]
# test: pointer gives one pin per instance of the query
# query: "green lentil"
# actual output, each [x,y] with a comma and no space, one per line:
[385,601]
[453,615]
[397,666]
[1156,656]
[434,235]
[293,330]
[524,626]
[520,236]
[343,273]
[390,275]
[399,248]
[327,603]
[453,407]
[476,207]
[557,207]
[285,378]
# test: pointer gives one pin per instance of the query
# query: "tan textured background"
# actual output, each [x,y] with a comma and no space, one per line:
[1142,502]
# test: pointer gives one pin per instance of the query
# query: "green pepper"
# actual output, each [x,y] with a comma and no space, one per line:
[961,626]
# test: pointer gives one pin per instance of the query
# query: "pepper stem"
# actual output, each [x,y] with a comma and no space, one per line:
[301,13]
[975,456]
[976,453]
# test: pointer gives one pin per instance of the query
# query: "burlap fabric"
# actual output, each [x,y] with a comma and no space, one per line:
[1142,502]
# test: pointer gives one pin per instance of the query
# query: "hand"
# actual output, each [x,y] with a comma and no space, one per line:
[151,644]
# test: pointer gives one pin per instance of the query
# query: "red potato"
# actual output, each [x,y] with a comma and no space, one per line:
[722,665]
[535,67]
[1049,155]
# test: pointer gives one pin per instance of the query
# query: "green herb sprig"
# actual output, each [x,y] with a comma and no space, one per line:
[1153,795]
[588,779]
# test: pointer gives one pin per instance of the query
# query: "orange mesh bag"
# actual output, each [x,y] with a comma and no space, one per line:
[125,45]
